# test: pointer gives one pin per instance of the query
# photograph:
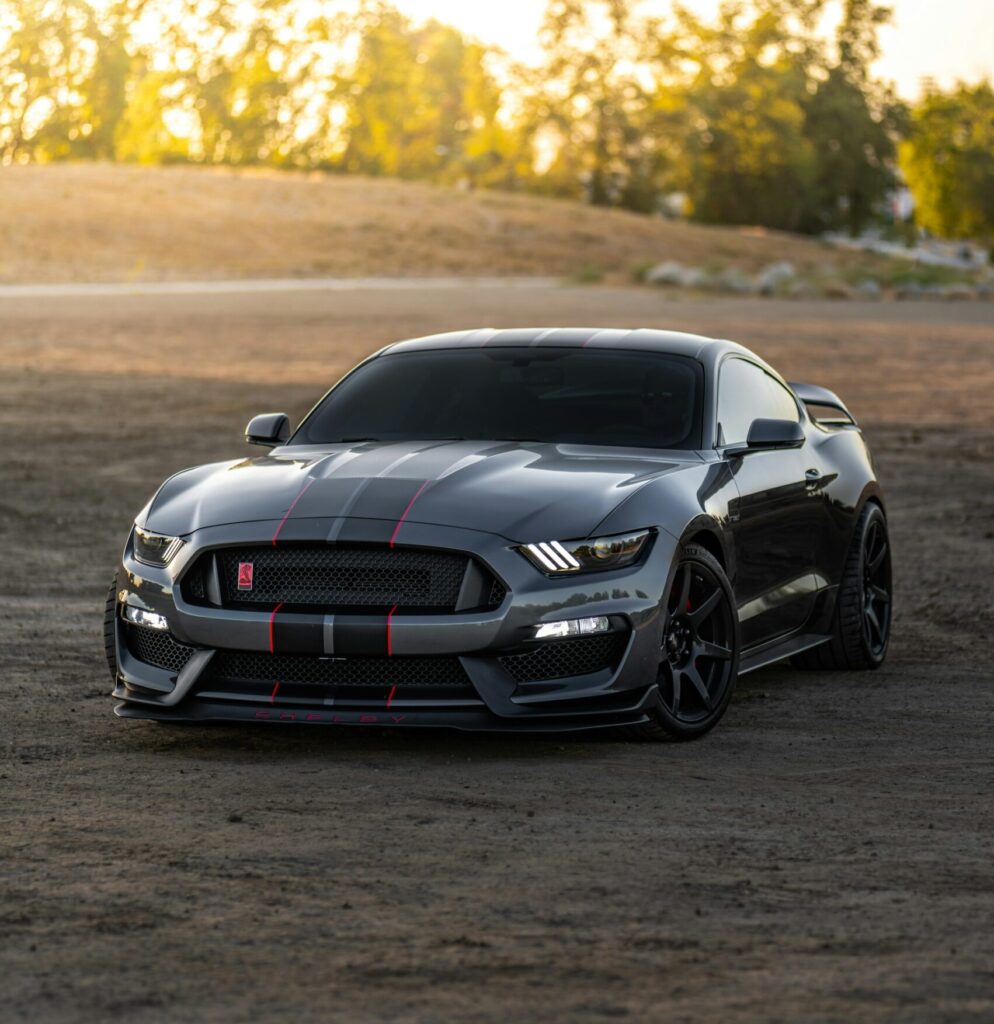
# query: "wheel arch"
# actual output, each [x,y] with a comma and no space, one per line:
[871,493]
[706,533]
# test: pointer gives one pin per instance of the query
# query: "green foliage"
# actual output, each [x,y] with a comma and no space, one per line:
[856,152]
[749,116]
[751,161]
[593,108]
[421,103]
[852,122]
[948,160]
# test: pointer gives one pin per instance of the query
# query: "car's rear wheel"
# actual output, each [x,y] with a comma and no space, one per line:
[699,650]
[861,626]
[110,612]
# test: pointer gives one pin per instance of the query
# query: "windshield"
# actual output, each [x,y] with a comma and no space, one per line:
[564,395]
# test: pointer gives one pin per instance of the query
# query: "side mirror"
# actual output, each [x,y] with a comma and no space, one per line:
[769,435]
[269,429]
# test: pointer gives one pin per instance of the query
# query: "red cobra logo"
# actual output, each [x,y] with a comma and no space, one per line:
[245,572]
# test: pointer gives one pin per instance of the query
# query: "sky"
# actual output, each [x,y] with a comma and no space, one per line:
[942,39]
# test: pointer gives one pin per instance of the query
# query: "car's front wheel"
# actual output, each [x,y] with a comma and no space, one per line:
[698,652]
[110,611]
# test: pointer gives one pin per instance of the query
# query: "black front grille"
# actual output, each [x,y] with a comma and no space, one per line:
[558,659]
[331,577]
[497,593]
[157,647]
[383,673]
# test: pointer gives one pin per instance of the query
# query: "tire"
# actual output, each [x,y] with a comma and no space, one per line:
[861,624]
[110,616]
[685,710]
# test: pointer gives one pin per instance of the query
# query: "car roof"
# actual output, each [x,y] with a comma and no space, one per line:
[697,346]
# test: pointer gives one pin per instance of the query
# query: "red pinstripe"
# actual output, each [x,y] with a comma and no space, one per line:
[410,505]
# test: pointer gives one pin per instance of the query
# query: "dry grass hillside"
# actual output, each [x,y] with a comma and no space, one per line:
[91,222]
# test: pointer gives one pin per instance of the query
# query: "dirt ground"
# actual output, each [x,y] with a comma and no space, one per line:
[99,222]
[825,855]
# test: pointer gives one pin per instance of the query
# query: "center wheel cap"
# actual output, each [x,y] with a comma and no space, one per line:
[678,642]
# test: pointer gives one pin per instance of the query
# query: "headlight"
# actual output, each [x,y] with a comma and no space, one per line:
[557,558]
[155,548]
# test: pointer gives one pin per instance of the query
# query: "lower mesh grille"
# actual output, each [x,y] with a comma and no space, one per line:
[157,647]
[241,666]
[559,659]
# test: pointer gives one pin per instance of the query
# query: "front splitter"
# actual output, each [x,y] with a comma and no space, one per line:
[469,720]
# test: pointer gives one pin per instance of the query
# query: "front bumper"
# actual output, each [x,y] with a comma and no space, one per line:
[275,666]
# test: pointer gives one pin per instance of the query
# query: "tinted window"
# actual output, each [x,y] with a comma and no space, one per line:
[747,393]
[782,406]
[580,396]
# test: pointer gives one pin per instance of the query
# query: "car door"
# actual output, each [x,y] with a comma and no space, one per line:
[775,528]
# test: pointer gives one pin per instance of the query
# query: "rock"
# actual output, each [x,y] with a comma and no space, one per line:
[666,274]
[909,290]
[959,293]
[675,275]
[869,289]
[837,289]
[772,278]
[694,277]
[732,281]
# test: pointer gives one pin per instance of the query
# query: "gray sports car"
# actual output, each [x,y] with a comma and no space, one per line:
[518,529]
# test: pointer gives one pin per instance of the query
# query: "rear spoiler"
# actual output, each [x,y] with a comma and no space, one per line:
[812,395]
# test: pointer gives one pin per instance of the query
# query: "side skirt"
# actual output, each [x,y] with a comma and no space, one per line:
[760,658]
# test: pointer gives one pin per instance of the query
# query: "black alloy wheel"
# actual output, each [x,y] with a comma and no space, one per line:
[876,588]
[698,656]
[864,604]
[110,614]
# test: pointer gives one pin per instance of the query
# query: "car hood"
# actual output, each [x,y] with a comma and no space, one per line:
[521,491]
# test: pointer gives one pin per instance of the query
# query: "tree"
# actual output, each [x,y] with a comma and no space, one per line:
[852,124]
[593,109]
[743,82]
[948,161]
[420,102]
[63,79]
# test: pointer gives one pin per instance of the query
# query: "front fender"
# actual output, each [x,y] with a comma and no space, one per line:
[693,501]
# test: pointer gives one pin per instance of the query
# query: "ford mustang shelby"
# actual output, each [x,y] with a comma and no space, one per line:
[519,529]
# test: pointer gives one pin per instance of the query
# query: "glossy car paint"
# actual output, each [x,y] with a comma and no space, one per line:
[779,521]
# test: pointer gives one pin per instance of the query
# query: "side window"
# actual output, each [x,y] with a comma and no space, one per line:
[782,402]
[747,393]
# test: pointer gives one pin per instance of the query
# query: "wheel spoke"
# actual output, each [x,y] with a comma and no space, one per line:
[704,610]
[880,594]
[684,598]
[695,670]
[690,671]
[874,563]
[874,623]
[706,649]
